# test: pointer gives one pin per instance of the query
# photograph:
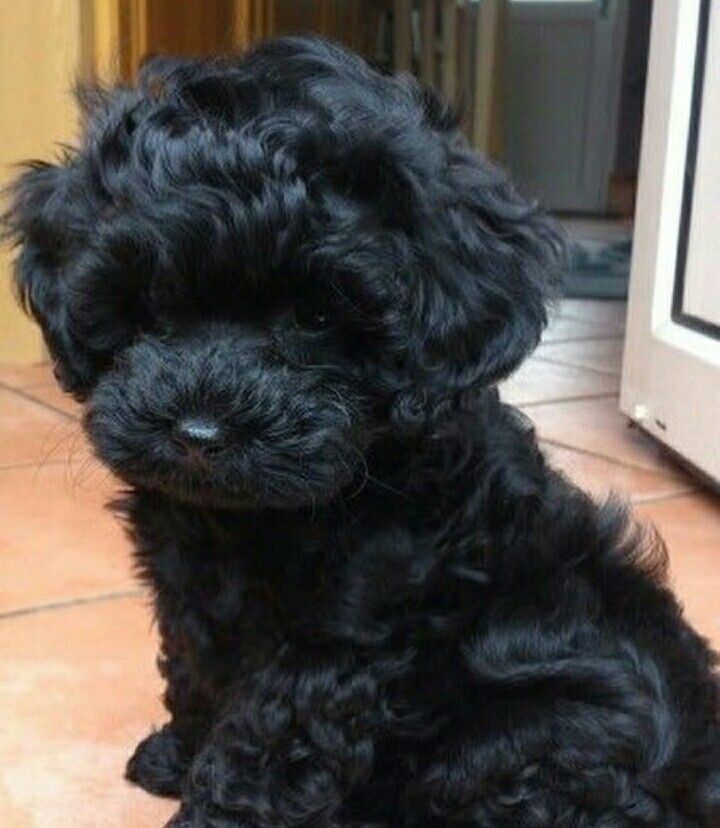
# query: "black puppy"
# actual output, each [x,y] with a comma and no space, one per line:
[287,290]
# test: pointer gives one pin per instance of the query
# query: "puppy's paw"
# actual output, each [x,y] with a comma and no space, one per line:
[159,763]
[187,818]
[192,816]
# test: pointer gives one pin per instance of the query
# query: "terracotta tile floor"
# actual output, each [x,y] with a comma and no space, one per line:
[78,686]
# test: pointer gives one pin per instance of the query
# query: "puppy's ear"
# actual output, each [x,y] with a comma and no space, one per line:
[40,221]
[488,264]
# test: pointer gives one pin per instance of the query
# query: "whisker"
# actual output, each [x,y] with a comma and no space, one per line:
[47,452]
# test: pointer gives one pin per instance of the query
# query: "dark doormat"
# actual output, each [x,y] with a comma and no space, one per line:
[598,269]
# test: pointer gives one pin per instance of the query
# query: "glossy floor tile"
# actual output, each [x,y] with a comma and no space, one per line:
[690,527]
[598,427]
[33,433]
[604,355]
[537,381]
[601,477]
[78,690]
[37,382]
[564,329]
[25,376]
[50,395]
[62,542]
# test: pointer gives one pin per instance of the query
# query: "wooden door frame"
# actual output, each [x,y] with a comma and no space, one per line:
[115,34]
[113,38]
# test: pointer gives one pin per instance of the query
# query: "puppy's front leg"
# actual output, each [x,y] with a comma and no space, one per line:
[189,662]
[287,751]
[161,760]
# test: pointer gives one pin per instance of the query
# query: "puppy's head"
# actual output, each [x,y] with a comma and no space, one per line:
[251,270]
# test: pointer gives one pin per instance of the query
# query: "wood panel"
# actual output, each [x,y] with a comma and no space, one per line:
[487,107]
[40,51]
[449,59]
[402,35]
[193,27]
[114,38]
[428,42]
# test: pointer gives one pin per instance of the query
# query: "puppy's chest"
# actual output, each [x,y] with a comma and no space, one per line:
[247,596]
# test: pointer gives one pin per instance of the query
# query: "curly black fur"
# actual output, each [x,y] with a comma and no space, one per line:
[378,605]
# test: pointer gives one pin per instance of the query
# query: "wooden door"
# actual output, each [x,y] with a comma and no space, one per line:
[40,57]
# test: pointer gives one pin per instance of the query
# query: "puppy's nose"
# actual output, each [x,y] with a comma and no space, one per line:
[198,436]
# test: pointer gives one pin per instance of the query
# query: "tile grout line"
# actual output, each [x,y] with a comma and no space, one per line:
[601,371]
[72,602]
[11,385]
[559,444]
[558,400]
[643,499]
[569,339]
[571,318]
[41,403]
[35,464]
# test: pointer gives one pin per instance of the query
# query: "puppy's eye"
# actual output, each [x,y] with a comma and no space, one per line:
[311,318]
